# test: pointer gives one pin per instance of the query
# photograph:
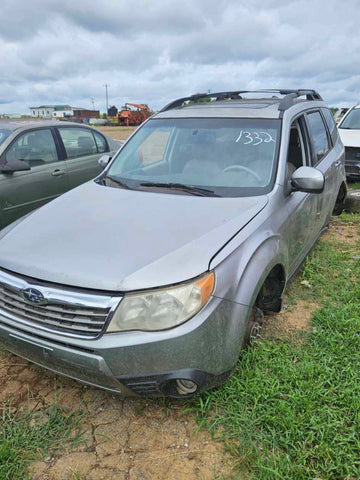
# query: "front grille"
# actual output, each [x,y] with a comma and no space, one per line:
[64,312]
[352,154]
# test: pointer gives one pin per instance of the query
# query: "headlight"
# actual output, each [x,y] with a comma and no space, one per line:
[163,308]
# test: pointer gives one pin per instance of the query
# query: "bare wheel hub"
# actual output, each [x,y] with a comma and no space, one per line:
[255,325]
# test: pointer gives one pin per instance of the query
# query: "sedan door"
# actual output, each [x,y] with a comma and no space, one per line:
[23,191]
[83,148]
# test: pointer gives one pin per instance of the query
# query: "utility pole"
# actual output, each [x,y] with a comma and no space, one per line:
[107,97]
[93,104]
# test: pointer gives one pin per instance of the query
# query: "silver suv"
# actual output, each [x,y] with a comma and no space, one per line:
[150,279]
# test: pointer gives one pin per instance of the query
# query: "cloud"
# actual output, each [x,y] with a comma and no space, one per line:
[154,51]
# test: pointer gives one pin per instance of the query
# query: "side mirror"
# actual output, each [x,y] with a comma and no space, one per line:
[14,166]
[307,179]
[103,161]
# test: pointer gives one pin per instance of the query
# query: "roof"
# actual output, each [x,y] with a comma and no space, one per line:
[243,104]
[56,107]
[264,108]
[28,123]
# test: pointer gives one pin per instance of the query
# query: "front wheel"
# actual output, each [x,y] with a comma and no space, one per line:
[254,326]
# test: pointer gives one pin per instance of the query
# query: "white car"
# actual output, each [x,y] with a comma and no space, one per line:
[349,129]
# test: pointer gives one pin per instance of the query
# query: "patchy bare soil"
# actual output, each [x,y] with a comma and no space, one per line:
[119,133]
[293,320]
[125,438]
[297,318]
[343,232]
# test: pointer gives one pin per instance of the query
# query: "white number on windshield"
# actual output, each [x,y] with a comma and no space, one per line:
[254,138]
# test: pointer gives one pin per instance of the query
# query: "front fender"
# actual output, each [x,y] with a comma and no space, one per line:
[242,273]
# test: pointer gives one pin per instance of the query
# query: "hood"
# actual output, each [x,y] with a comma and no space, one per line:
[121,240]
[350,138]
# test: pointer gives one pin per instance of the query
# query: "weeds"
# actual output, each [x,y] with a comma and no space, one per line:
[24,436]
[291,409]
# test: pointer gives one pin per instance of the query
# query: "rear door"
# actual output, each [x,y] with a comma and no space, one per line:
[82,149]
[21,192]
[324,159]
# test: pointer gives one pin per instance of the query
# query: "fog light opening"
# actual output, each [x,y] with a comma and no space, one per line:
[185,387]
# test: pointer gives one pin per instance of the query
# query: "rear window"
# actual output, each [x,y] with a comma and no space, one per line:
[330,122]
[78,142]
[318,134]
[100,143]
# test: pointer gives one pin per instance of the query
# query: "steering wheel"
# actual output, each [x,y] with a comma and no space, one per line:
[244,169]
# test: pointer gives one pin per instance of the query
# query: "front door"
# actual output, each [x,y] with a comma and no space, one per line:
[21,192]
[302,208]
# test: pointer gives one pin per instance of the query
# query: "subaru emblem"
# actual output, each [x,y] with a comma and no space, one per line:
[34,296]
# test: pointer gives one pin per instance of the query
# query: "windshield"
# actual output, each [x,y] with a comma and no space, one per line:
[4,133]
[222,156]
[352,120]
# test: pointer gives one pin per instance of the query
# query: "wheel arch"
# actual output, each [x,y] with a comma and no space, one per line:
[257,276]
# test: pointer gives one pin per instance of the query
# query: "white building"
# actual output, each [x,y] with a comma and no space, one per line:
[51,111]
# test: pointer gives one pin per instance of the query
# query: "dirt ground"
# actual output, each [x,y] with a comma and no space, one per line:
[126,439]
[343,232]
[119,133]
[135,439]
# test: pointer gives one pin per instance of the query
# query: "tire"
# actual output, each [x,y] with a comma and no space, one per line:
[352,203]
[340,201]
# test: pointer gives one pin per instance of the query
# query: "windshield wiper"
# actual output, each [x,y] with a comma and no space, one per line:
[116,181]
[204,192]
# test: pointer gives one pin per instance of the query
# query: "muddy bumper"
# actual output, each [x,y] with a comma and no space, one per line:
[202,352]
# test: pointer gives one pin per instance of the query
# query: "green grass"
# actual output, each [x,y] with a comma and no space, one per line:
[26,436]
[354,185]
[291,410]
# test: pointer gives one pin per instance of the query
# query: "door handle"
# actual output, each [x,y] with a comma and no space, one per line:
[58,173]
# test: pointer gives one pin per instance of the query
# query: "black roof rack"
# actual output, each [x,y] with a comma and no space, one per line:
[286,102]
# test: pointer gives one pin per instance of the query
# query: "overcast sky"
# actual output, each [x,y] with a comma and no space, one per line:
[152,51]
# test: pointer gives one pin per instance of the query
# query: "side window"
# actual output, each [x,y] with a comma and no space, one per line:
[100,143]
[78,142]
[318,135]
[36,147]
[329,119]
[296,151]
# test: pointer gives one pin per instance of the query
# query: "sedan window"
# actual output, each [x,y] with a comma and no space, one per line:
[100,143]
[36,147]
[78,142]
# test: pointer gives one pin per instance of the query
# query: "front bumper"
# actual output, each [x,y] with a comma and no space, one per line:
[352,170]
[204,350]
[352,162]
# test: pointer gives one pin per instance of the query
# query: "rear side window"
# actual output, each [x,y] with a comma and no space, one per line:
[100,143]
[78,142]
[318,135]
[330,122]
